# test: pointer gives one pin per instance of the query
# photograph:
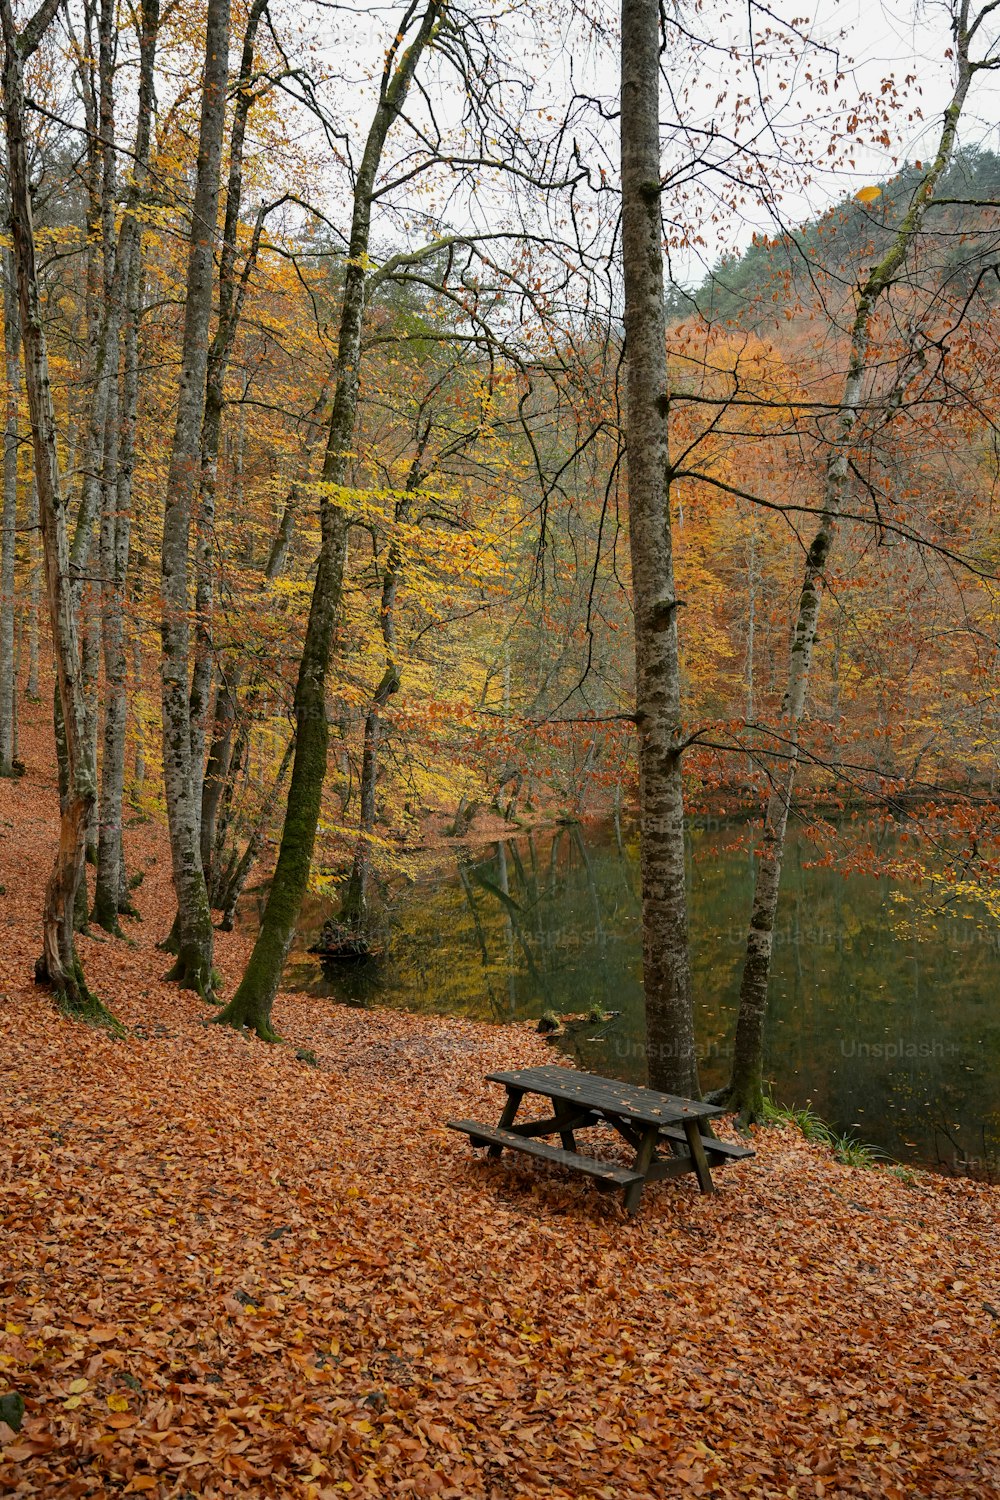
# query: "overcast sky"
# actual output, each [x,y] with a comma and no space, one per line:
[566,44]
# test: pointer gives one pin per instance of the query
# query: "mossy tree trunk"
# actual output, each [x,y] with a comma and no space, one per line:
[252,1003]
[181,775]
[745,1090]
[671,1058]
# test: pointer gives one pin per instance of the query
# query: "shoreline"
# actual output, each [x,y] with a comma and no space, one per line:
[231,1269]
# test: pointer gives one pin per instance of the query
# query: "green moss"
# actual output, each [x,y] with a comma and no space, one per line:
[75,1000]
[193,971]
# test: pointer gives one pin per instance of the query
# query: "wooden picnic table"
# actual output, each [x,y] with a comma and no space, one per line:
[669,1135]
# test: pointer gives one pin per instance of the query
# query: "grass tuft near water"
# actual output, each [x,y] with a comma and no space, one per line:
[846,1148]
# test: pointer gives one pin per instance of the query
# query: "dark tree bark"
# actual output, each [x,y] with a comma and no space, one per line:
[672,1062]
[252,1003]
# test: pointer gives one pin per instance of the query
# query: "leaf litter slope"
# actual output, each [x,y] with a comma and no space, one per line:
[228,1272]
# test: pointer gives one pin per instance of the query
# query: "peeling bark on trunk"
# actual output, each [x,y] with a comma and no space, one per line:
[671,1058]
[181,777]
[745,1089]
[59,964]
[251,1005]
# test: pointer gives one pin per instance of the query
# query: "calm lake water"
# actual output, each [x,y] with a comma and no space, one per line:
[887,1030]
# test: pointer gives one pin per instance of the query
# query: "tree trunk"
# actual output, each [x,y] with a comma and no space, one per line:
[139,748]
[671,1058]
[181,777]
[237,876]
[232,291]
[219,769]
[8,523]
[114,550]
[746,1087]
[354,910]
[89,624]
[59,964]
[111,887]
[35,593]
[252,1003]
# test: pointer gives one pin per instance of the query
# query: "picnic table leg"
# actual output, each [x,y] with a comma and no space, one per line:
[510,1109]
[698,1156]
[564,1111]
[643,1160]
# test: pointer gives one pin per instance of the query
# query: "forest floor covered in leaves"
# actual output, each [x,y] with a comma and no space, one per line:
[225,1270]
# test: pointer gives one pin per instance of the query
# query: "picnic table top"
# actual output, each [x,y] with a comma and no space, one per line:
[630,1101]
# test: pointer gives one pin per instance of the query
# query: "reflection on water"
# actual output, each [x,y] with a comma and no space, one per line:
[895,1039]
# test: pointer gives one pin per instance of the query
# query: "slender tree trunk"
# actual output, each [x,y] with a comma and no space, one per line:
[108,877]
[114,547]
[251,1005]
[19,631]
[111,886]
[8,522]
[216,791]
[354,910]
[753,580]
[181,777]
[746,1086]
[139,725]
[89,619]
[672,1062]
[236,766]
[59,964]
[35,592]
[241,867]
[232,292]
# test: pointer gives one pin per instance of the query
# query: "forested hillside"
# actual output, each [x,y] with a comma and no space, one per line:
[905,663]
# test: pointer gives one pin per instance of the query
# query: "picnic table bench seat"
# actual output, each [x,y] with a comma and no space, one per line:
[645,1118]
[606,1172]
[731,1150]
